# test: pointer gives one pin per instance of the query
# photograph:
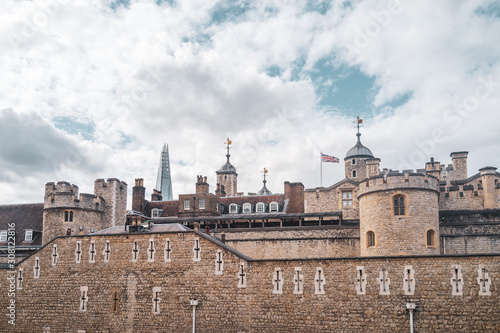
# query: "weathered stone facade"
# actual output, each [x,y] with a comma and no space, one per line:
[154,295]
[68,212]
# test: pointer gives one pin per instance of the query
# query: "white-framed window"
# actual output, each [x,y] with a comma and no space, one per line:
[247,208]
[260,207]
[156,212]
[217,207]
[347,199]
[273,206]
[233,208]
[202,203]
[3,236]
[187,204]
[28,235]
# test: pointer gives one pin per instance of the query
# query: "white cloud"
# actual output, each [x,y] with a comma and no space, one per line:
[146,74]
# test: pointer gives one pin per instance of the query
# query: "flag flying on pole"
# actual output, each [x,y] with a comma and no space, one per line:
[328,158]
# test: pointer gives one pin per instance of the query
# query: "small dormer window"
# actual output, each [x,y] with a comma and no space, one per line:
[3,236]
[353,161]
[273,207]
[247,208]
[28,236]
[233,208]
[260,207]
[156,212]
[353,173]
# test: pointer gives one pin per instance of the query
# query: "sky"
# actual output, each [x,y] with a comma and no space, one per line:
[93,89]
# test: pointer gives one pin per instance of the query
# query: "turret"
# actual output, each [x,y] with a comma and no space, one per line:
[356,167]
[489,192]
[227,176]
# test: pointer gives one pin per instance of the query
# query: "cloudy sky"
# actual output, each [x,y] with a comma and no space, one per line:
[93,88]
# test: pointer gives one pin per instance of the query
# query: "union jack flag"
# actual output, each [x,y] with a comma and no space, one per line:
[328,158]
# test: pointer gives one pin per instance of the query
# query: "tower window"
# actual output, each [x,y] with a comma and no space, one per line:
[225,177]
[28,236]
[202,203]
[431,238]
[353,173]
[399,205]
[68,216]
[370,239]
[347,199]
[353,161]
[187,204]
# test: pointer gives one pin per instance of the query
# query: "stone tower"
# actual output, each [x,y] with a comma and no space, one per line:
[66,212]
[399,215]
[359,161]
[164,181]
[227,176]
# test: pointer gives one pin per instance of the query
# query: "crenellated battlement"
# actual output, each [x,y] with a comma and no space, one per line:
[70,200]
[100,185]
[392,181]
[60,188]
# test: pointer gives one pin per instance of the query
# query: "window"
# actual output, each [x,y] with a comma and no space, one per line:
[370,239]
[273,207]
[399,205]
[3,236]
[233,208]
[217,207]
[353,161]
[28,236]
[68,216]
[260,207]
[247,208]
[202,203]
[431,238]
[353,173]
[156,212]
[187,204]
[347,199]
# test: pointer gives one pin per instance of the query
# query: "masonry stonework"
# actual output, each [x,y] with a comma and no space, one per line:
[119,295]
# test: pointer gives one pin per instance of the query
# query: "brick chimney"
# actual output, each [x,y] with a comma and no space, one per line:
[294,193]
[138,195]
[201,185]
[220,192]
[156,196]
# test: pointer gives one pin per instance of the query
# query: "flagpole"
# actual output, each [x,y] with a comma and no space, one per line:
[320,169]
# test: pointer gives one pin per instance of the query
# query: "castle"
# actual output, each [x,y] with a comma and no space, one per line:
[378,251]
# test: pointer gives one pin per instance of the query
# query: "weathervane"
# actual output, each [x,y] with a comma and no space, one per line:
[264,172]
[357,122]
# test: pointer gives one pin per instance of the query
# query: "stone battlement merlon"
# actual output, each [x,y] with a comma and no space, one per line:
[394,181]
[61,187]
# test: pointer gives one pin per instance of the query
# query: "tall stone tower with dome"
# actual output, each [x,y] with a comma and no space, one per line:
[227,176]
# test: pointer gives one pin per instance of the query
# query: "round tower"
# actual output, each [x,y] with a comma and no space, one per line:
[399,215]
[227,176]
[356,160]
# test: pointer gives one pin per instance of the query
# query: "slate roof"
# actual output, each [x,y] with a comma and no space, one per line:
[25,217]
[170,208]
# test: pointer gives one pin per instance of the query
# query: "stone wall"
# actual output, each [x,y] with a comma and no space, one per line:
[399,234]
[298,243]
[330,200]
[336,295]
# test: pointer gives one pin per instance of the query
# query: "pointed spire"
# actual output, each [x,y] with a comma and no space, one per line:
[228,167]
[164,181]
[264,190]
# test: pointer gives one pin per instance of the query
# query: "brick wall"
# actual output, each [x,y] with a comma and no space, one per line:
[53,300]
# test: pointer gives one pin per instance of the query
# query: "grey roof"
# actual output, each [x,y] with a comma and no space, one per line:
[359,150]
[264,190]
